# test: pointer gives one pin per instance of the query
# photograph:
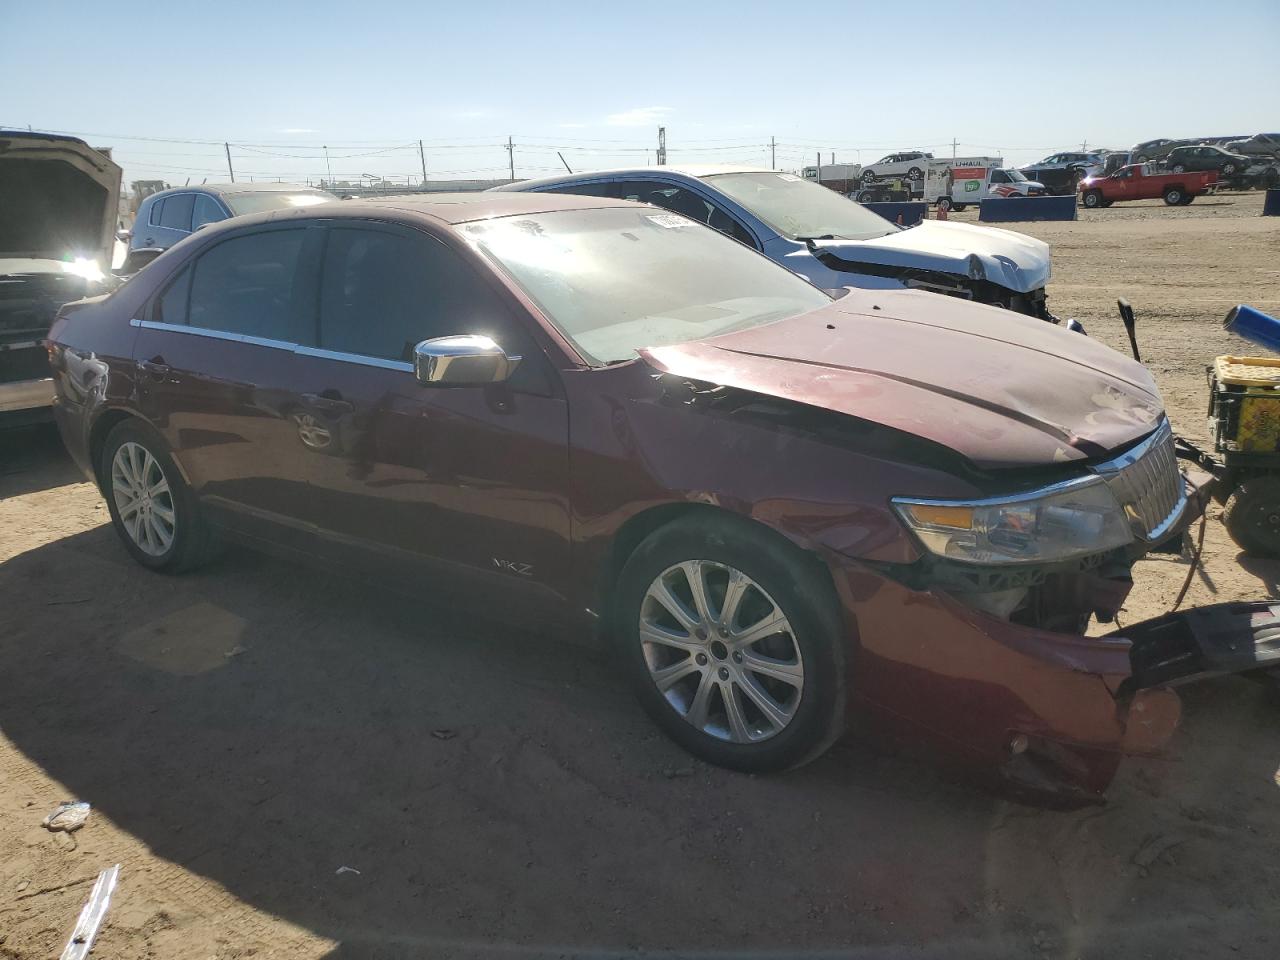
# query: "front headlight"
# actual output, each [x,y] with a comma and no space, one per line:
[1066,520]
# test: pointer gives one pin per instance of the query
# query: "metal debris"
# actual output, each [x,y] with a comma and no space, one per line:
[91,916]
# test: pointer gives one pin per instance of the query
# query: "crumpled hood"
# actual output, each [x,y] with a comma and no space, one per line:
[999,388]
[60,198]
[1012,260]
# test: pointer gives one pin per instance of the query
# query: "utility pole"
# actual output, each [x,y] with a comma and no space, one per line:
[954,143]
[511,156]
[819,177]
[327,168]
[833,158]
[422,155]
[230,172]
[662,146]
[773,153]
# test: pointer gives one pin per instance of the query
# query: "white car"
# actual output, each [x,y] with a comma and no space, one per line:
[909,166]
[829,240]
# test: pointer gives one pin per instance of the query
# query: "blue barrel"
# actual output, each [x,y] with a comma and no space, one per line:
[1254,325]
[1271,204]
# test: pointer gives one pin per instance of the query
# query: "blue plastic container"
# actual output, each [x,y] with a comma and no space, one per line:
[1271,202]
[1255,326]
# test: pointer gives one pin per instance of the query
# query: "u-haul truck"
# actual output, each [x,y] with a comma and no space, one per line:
[954,184]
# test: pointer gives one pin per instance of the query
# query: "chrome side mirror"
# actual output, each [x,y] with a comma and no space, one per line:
[465,361]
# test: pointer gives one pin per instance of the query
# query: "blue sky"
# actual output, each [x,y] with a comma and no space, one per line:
[281,80]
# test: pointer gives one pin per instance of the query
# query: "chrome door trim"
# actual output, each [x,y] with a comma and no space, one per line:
[212,334]
[323,354]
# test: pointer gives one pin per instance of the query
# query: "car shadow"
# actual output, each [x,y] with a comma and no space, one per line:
[32,458]
[493,790]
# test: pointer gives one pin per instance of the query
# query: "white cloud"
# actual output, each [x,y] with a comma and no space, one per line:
[637,117]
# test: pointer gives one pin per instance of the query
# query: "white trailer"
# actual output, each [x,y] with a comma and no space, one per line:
[840,177]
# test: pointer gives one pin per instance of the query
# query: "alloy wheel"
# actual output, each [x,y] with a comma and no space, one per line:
[721,651]
[144,502]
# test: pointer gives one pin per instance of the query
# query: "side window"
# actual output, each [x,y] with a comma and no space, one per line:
[171,305]
[381,293]
[999,176]
[157,211]
[588,189]
[251,285]
[206,211]
[177,211]
[673,198]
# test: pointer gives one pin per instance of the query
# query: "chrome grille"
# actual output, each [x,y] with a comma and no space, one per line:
[1148,484]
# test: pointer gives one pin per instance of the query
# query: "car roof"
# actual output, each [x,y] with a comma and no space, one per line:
[449,208]
[696,170]
[230,189]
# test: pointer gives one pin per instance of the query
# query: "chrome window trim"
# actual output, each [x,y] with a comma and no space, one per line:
[274,344]
[322,354]
[212,334]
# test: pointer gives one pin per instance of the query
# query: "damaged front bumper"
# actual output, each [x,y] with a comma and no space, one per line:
[1049,712]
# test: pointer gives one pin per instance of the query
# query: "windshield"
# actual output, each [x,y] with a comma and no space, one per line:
[1015,175]
[798,209]
[245,203]
[616,279]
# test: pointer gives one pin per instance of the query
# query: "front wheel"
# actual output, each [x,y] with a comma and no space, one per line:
[915,174]
[1252,516]
[733,644]
[944,204]
[1093,199]
[153,510]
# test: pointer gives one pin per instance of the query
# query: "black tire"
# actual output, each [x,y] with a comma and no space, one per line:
[1252,516]
[1228,170]
[944,204]
[797,585]
[1179,168]
[1173,196]
[959,207]
[915,173]
[867,177]
[1187,199]
[191,542]
[1093,199]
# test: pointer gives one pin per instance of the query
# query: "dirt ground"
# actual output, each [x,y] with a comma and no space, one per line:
[246,732]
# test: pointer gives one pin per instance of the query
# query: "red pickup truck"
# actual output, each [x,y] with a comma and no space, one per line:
[1138,182]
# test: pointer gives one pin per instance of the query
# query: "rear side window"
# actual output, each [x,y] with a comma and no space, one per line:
[177,211]
[250,285]
[206,211]
[157,211]
[589,189]
[171,305]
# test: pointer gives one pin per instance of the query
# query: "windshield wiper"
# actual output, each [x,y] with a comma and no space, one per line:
[825,236]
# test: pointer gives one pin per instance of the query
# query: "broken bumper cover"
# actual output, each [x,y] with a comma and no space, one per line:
[1051,714]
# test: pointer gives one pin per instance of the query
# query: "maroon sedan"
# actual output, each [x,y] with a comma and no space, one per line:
[777,504]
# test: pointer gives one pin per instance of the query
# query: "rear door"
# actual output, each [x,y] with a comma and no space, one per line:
[214,353]
[457,480]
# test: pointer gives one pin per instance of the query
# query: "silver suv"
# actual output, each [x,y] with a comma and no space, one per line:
[166,217]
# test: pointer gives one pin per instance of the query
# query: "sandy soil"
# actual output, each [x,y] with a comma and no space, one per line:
[247,731]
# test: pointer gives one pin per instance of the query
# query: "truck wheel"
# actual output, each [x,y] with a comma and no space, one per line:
[1179,168]
[1252,516]
[733,644]
[959,207]
[944,204]
[1093,199]
[1187,199]
[1173,196]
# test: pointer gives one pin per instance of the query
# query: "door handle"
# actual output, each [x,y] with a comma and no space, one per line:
[149,242]
[329,400]
[156,367]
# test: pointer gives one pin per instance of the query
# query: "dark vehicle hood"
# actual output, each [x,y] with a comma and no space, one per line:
[60,198]
[1001,389]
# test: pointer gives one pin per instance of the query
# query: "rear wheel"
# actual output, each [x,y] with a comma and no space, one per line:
[153,510]
[1252,516]
[733,644]
[1179,168]
[1173,196]
[915,174]
[959,207]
